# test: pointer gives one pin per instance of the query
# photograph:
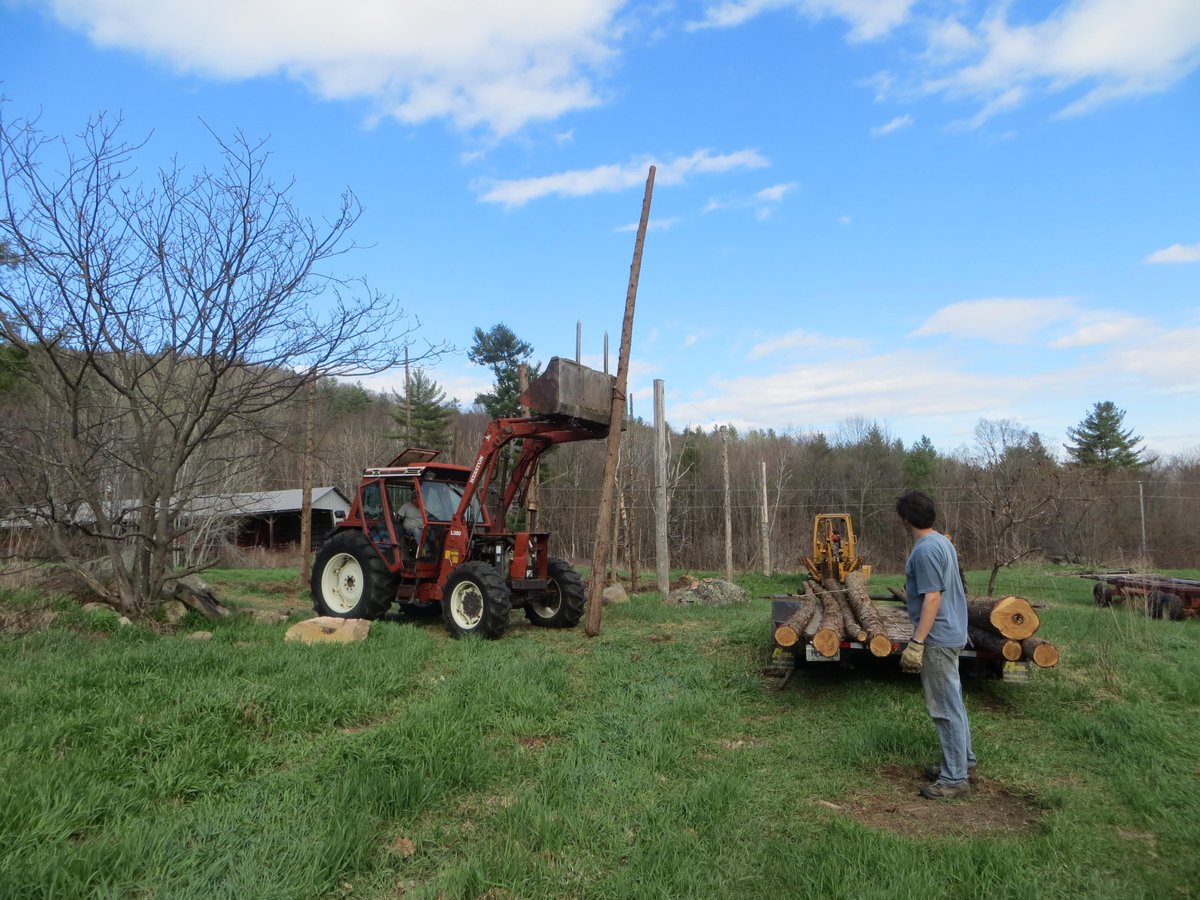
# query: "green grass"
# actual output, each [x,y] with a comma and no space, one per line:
[647,762]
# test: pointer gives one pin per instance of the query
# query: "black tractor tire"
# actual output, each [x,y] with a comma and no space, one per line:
[1171,607]
[562,604]
[476,600]
[1154,604]
[350,579]
[1101,594]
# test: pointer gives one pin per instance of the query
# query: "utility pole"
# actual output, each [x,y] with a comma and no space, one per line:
[1142,506]
[766,524]
[306,479]
[604,520]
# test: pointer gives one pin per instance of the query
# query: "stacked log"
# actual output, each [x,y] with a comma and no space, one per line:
[1012,617]
[858,600]
[827,639]
[1006,626]
[793,630]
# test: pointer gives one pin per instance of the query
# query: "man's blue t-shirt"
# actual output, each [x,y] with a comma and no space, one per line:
[933,566]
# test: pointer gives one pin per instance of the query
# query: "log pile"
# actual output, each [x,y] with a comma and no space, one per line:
[1006,626]
[831,613]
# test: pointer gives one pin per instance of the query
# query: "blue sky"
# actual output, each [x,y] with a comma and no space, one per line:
[918,213]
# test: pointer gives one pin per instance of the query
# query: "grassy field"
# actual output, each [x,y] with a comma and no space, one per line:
[647,762]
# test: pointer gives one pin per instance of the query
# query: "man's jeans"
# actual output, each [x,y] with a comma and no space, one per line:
[944,700]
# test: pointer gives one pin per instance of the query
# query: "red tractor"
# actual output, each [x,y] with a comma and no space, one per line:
[418,533]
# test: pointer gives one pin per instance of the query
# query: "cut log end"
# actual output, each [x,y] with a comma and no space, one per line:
[1043,654]
[826,641]
[786,637]
[880,645]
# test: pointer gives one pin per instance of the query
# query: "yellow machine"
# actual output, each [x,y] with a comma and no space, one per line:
[833,549]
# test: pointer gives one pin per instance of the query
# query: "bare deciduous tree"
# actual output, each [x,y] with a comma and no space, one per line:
[160,318]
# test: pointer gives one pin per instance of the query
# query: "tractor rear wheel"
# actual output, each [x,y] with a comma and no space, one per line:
[476,600]
[562,603]
[350,579]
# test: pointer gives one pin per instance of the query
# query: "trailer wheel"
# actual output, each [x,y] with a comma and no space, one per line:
[561,605]
[1101,594]
[1154,601]
[349,578]
[476,601]
[1171,607]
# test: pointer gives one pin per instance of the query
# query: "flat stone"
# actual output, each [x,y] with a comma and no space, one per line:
[200,636]
[269,616]
[329,629]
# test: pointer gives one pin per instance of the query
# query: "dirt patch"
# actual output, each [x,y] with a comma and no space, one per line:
[893,804]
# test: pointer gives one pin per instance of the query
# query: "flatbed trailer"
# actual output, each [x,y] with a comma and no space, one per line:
[784,660]
[1164,598]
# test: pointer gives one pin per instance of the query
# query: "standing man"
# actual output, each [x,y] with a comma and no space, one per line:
[937,606]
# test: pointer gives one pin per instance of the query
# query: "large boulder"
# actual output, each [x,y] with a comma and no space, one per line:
[707,592]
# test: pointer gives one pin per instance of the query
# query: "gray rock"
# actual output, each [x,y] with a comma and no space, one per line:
[615,593]
[200,636]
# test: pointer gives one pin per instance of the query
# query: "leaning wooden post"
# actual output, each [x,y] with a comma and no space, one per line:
[662,562]
[617,416]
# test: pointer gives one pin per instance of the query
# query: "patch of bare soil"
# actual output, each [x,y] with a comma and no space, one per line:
[893,804]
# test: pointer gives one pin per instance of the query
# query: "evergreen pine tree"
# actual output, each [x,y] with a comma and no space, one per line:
[429,411]
[503,352]
[1099,442]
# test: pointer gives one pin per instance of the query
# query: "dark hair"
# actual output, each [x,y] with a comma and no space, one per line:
[916,508]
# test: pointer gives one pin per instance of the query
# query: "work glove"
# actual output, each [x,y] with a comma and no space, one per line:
[913,658]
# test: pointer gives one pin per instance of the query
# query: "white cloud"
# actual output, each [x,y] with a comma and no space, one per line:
[1176,253]
[868,19]
[1002,320]
[844,220]
[1106,329]
[894,125]
[806,340]
[609,178]
[495,65]
[775,193]
[1107,48]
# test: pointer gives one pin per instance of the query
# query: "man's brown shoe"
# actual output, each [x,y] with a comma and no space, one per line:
[939,791]
[933,772]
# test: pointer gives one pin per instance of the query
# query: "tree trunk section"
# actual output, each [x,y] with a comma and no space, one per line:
[792,631]
[982,639]
[1013,617]
[857,598]
[1043,654]
[828,636]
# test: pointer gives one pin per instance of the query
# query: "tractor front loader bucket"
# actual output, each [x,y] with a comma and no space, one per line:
[568,390]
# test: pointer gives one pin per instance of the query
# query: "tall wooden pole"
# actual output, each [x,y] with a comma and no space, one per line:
[306,479]
[662,564]
[728,510]
[766,524]
[617,415]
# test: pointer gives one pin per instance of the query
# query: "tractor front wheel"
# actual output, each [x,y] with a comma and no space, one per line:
[349,578]
[562,603]
[476,601]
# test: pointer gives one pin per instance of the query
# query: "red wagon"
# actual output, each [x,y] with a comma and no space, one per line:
[1165,598]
